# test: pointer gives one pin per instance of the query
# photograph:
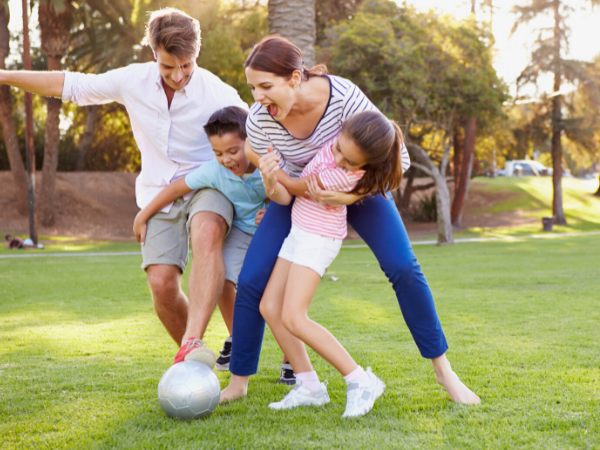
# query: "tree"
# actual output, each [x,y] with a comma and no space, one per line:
[8,124]
[295,19]
[547,57]
[55,24]
[423,70]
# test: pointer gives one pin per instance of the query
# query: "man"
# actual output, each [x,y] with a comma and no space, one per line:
[168,102]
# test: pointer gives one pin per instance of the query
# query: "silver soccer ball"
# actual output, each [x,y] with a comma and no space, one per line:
[189,390]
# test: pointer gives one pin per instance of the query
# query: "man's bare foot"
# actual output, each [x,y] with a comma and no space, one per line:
[446,377]
[238,387]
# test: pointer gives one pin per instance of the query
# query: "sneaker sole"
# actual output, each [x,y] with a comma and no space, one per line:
[202,355]
[222,367]
[320,403]
[288,382]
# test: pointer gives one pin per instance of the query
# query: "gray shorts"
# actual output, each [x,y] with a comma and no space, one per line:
[234,251]
[168,234]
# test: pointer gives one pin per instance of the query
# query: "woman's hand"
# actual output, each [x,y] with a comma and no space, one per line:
[331,198]
[139,229]
[268,166]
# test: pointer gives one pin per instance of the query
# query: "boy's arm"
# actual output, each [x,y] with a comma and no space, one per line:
[296,186]
[168,195]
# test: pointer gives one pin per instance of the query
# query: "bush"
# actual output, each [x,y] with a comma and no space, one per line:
[427,210]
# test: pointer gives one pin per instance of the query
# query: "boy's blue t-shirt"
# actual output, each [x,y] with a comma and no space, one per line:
[247,196]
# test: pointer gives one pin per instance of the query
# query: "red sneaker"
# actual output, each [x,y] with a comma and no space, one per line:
[194,350]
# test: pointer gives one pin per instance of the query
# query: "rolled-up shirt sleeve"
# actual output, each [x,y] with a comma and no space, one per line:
[91,89]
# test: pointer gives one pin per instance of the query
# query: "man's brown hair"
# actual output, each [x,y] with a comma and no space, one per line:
[174,31]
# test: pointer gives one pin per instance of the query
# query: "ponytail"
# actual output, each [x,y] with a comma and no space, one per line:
[381,141]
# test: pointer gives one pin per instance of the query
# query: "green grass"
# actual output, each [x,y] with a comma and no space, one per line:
[81,353]
[534,195]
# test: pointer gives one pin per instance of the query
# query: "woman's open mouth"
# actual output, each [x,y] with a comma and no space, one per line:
[273,110]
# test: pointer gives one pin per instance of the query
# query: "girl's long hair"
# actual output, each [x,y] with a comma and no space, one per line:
[275,54]
[381,142]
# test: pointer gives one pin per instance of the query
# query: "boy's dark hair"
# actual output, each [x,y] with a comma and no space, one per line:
[231,119]
[8,237]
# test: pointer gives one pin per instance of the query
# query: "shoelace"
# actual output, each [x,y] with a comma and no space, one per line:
[226,349]
[192,344]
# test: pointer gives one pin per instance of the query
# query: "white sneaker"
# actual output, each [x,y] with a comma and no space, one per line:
[362,395]
[301,396]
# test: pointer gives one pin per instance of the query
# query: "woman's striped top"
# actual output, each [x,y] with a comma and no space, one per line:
[345,99]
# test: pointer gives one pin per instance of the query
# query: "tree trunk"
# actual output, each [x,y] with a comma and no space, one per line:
[597,193]
[295,19]
[51,146]
[88,136]
[462,187]
[55,24]
[557,201]
[442,196]
[458,146]
[404,199]
[8,124]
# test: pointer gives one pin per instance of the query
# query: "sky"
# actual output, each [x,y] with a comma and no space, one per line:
[512,52]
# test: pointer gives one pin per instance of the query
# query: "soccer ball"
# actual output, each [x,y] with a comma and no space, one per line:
[189,390]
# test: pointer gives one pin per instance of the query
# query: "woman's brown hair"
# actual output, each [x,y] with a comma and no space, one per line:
[275,54]
[381,142]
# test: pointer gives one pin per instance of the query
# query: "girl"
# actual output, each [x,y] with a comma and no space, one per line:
[363,159]
[297,111]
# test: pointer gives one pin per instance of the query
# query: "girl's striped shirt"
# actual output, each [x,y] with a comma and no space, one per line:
[345,99]
[325,220]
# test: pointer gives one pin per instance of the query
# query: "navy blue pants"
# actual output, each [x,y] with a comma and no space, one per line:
[377,221]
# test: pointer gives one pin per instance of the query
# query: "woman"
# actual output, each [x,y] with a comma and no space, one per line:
[296,112]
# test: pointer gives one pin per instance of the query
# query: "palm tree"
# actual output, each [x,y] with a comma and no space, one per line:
[295,19]
[547,58]
[55,23]
[8,125]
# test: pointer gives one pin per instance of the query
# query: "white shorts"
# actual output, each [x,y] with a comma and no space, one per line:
[310,250]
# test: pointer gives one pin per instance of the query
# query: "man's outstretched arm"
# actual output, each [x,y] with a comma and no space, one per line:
[48,84]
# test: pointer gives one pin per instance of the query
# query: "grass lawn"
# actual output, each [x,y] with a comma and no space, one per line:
[534,195]
[81,353]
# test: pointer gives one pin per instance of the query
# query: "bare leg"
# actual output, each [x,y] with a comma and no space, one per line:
[445,376]
[226,302]
[170,303]
[207,276]
[299,292]
[271,307]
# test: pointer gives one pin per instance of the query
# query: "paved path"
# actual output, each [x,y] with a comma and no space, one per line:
[458,241]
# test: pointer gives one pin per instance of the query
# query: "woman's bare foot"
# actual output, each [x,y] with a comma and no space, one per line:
[445,376]
[238,387]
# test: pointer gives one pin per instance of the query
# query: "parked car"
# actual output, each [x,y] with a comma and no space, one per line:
[526,167]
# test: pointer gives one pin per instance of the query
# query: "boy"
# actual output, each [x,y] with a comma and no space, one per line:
[235,177]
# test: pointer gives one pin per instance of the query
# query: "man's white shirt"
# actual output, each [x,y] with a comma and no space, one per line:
[172,140]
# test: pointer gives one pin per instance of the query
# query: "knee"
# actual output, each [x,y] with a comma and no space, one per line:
[208,231]
[402,269]
[268,311]
[292,322]
[163,282]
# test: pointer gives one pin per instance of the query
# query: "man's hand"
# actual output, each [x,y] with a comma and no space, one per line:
[139,229]
[259,215]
